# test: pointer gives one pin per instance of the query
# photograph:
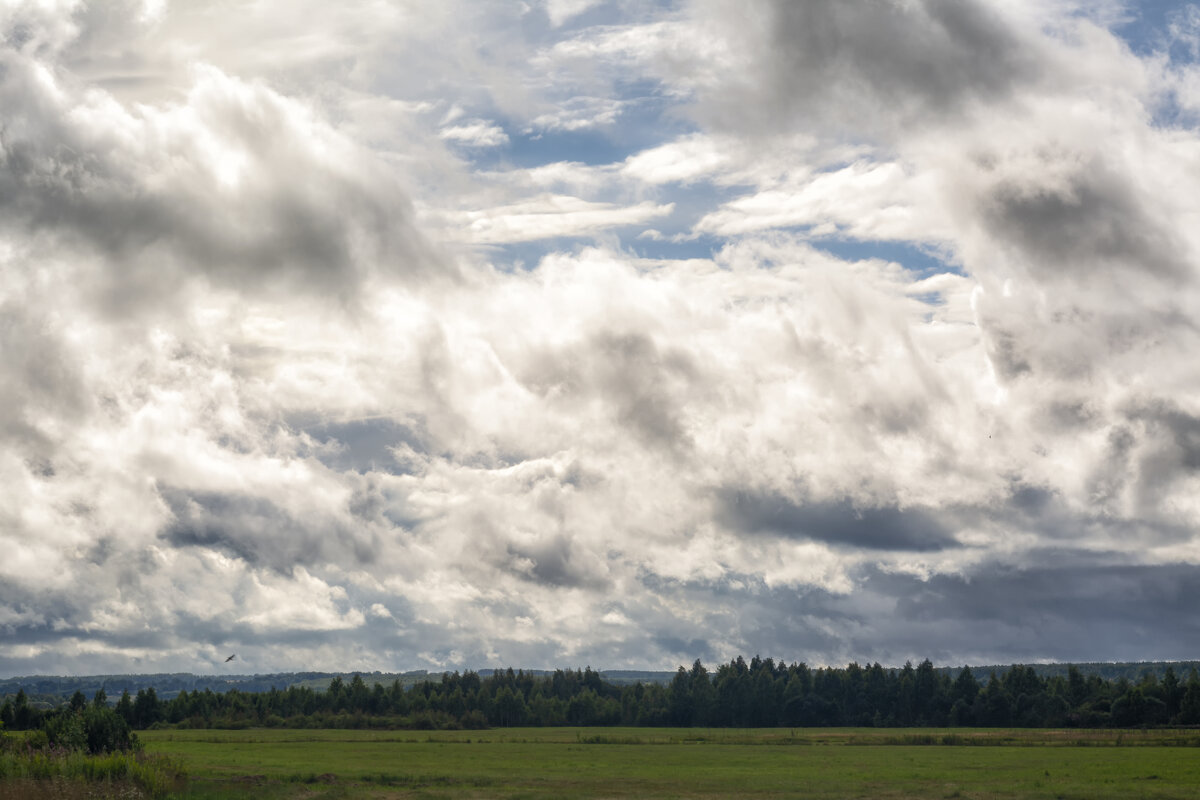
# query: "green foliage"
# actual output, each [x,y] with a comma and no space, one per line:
[47,770]
[94,729]
[761,692]
[758,693]
[66,730]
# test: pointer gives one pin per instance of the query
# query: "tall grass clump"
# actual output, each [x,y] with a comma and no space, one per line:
[42,764]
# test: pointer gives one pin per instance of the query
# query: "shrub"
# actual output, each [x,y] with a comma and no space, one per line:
[95,729]
[473,720]
[66,730]
[424,721]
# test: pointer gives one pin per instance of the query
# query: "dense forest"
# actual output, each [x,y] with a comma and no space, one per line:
[758,693]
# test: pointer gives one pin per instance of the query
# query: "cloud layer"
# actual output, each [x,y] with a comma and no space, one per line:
[596,332]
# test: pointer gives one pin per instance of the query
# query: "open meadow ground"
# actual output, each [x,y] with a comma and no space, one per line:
[823,764]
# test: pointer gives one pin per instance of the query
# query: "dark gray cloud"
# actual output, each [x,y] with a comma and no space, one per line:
[1046,512]
[741,614]
[864,64]
[1176,429]
[839,523]
[1066,609]
[42,380]
[1069,608]
[1007,352]
[364,445]
[1084,225]
[552,563]
[260,532]
[645,386]
[1168,451]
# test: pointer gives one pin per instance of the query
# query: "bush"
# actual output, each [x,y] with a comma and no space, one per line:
[473,721]
[36,740]
[94,729]
[424,721]
[107,731]
[66,730]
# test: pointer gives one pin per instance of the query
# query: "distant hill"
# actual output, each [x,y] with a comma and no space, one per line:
[53,689]
[320,681]
[618,677]
[166,684]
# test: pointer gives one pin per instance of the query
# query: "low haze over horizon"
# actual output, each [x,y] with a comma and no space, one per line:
[412,335]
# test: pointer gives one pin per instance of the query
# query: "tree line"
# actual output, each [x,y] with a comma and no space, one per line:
[757,693]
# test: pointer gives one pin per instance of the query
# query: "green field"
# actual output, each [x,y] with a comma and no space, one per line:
[687,763]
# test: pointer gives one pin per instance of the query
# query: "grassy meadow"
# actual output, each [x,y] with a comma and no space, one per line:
[686,763]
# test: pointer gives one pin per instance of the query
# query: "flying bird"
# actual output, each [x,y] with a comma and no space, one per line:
[231,658]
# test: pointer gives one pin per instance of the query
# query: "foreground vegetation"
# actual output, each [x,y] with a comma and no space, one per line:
[32,768]
[82,750]
[823,764]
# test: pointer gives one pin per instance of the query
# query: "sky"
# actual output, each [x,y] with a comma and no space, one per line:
[407,335]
